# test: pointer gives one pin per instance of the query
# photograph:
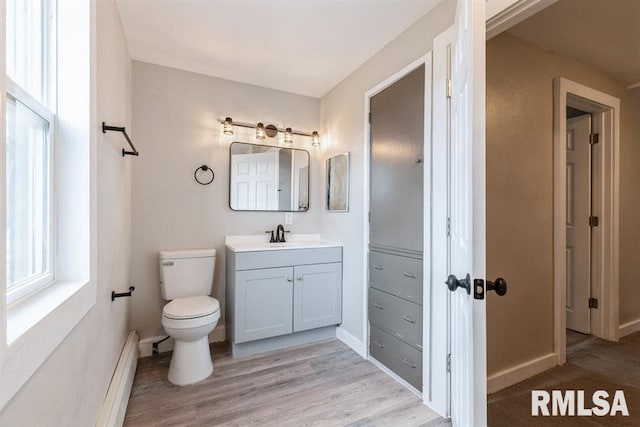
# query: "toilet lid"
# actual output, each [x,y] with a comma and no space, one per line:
[192,307]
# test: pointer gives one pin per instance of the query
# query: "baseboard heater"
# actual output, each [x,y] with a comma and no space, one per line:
[117,398]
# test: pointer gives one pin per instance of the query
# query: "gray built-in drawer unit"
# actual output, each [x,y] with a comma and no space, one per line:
[401,318]
[396,212]
[395,354]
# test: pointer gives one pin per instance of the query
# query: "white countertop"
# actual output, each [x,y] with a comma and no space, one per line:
[260,242]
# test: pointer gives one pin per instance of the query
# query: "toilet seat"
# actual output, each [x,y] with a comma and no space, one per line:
[191,308]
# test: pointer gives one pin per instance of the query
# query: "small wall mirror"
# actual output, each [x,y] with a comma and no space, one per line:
[267,178]
[338,183]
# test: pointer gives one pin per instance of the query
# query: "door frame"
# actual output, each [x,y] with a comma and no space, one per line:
[605,110]
[427,391]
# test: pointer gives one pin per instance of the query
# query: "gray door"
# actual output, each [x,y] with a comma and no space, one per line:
[397,153]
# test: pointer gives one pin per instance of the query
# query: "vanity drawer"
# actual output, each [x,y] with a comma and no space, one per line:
[401,317]
[282,258]
[397,275]
[396,355]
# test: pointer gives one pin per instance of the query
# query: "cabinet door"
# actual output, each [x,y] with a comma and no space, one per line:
[264,303]
[397,166]
[317,296]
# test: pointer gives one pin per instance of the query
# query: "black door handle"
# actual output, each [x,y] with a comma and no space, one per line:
[500,286]
[453,283]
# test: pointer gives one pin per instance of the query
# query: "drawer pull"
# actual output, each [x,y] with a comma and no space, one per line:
[376,305]
[409,275]
[408,319]
[409,363]
[167,263]
[378,344]
[378,267]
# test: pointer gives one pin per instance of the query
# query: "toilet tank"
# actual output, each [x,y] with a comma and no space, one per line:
[186,273]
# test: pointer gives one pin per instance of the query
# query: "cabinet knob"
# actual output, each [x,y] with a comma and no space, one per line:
[289,279]
[299,278]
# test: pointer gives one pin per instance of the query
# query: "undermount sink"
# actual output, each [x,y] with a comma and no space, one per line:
[261,243]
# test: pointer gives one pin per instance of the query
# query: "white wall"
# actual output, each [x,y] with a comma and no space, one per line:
[176,117]
[68,389]
[342,112]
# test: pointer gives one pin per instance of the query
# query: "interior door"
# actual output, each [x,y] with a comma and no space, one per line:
[466,194]
[254,181]
[578,229]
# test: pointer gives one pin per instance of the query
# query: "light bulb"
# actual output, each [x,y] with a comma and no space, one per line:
[260,131]
[228,126]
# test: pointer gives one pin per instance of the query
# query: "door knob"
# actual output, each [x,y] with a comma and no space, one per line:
[453,283]
[500,286]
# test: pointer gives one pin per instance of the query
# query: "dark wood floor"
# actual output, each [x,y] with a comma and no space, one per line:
[592,364]
[322,384]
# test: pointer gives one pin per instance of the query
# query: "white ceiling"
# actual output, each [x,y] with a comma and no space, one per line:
[300,46]
[603,34]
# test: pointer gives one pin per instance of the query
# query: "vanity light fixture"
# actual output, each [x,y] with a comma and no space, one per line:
[227,126]
[269,130]
[260,131]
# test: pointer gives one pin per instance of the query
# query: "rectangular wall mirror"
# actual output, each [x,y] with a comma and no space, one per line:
[338,183]
[267,178]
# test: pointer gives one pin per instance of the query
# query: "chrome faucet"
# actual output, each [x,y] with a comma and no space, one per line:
[280,234]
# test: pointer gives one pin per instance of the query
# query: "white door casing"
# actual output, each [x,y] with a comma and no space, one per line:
[605,112]
[254,181]
[578,230]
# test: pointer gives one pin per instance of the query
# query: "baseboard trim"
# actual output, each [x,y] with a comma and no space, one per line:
[115,403]
[629,328]
[146,344]
[354,343]
[514,375]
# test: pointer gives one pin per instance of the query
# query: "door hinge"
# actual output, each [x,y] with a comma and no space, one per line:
[369,217]
[594,221]
[449,88]
[593,302]
[449,226]
[449,362]
[594,138]
[369,117]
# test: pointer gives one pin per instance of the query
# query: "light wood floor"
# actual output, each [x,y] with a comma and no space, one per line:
[592,364]
[321,384]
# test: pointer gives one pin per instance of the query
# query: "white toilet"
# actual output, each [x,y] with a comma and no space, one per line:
[186,278]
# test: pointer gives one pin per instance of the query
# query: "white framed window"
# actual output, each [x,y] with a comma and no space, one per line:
[51,142]
[30,130]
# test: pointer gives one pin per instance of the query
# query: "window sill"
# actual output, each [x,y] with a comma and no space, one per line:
[29,311]
[36,326]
